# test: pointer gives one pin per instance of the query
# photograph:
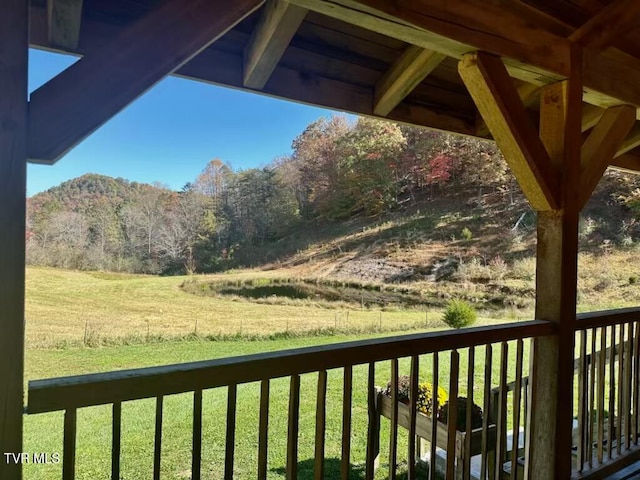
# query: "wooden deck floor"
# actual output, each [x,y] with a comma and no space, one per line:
[632,472]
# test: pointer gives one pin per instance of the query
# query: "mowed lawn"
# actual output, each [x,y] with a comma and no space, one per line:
[64,306]
[43,432]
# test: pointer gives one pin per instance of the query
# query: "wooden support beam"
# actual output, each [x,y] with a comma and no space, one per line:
[548,442]
[631,141]
[614,21]
[590,116]
[79,100]
[601,146]
[277,26]
[497,100]
[221,68]
[627,163]
[413,66]
[529,95]
[534,46]
[64,18]
[14,47]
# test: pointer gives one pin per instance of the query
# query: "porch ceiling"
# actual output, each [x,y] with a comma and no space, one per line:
[396,60]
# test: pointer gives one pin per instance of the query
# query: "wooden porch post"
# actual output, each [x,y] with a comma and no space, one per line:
[547,165]
[14,43]
[550,439]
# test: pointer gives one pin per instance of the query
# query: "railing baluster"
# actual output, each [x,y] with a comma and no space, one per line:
[69,448]
[602,359]
[434,419]
[116,428]
[393,435]
[628,386]
[501,427]
[157,450]
[582,400]
[263,436]
[592,390]
[413,408]
[321,418]
[517,394]
[619,422]
[466,467]
[232,394]
[452,414]
[345,468]
[486,408]
[293,428]
[196,452]
[612,393]
[373,436]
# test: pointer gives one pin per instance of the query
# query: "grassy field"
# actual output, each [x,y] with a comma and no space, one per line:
[65,307]
[137,321]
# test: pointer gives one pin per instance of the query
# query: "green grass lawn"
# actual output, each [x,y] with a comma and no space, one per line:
[43,433]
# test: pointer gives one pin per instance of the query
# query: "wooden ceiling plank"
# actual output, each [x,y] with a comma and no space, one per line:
[64,18]
[497,100]
[614,21]
[221,68]
[279,23]
[83,97]
[627,163]
[458,27]
[601,145]
[413,66]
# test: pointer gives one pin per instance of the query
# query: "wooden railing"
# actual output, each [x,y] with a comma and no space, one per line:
[608,392]
[421,350]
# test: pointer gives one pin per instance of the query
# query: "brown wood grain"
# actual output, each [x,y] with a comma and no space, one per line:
[14,42]
[72,105]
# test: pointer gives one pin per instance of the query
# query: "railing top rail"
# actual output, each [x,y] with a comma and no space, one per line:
[106,388]
[605,318]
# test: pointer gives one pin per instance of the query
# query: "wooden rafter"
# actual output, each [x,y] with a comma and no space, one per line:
[413,66]
[219,68]
[271,37]
[601,146]
[533,50]
[497,100]
[79,100]
[612,22]
[631,141]
[590,116]
[627,163]
[64,18]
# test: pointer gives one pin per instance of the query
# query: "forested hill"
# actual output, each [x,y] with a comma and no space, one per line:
[347,190]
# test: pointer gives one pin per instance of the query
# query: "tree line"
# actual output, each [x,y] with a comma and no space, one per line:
[337,169]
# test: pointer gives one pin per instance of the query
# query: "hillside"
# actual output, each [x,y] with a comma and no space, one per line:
[371,201]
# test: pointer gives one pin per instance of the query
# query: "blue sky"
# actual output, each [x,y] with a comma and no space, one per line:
[170,133]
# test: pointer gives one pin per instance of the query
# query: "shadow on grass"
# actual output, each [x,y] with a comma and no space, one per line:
[332,470]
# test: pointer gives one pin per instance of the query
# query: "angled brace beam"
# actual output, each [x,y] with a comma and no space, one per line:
[277,26]
[64,18]
[601,146]
[497,100]
[413,66]
[529,94]
[68,108]
[613,21]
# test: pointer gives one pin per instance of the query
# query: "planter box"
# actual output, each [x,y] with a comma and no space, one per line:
[424,426]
